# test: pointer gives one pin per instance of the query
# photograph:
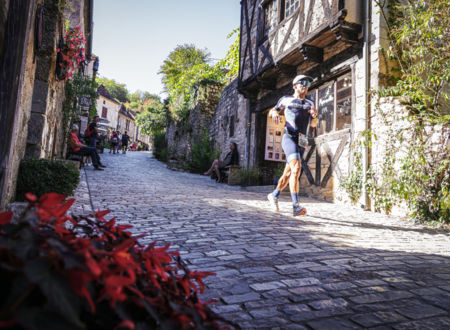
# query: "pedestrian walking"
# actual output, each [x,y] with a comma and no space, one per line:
[299,113]
[114,142]
[79,148]
[125,139]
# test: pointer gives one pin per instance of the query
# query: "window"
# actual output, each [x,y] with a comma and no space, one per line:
[334,103]
[277,10]
[231,126]
[127,125]
[104,112]
[270,17]
[290,6]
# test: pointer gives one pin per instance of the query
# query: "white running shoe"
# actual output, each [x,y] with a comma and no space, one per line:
[273,202]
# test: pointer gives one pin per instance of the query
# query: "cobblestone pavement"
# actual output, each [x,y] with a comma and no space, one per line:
[337,268]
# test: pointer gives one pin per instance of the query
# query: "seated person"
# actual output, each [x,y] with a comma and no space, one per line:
[79,148]
[232,158]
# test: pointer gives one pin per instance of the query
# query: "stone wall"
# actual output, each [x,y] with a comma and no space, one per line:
[19,131]
[384,126]
[229,123]
[37,122]
[45,136]
[181,134]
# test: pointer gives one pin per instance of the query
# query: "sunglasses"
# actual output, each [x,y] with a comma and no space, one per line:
[305,83]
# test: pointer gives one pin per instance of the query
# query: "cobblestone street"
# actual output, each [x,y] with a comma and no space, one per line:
[337,268]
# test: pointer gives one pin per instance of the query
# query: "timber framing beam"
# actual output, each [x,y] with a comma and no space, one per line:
[312,53]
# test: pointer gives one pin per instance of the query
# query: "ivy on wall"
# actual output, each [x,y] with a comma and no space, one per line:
[415,169]
[79,86]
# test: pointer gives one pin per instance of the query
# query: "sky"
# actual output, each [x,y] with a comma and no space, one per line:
[133,37]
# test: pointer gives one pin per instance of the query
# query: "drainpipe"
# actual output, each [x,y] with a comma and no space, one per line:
[249,129]
[366,51]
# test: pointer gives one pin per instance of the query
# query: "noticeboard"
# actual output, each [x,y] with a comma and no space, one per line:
[274,136]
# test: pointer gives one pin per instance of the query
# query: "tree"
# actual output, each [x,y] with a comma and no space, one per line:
[182,59]
[153,119]
[117,90]
[186,68]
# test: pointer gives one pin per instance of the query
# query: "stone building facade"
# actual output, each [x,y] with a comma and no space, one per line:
[125,122]
[339,44]
[229,123]
[322,39]
[31,96]
[108,110]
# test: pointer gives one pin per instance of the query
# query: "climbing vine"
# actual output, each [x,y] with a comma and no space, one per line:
[79,86]
[414,170]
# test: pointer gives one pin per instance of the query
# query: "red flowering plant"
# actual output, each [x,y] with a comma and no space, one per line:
[71,53]
[62,272]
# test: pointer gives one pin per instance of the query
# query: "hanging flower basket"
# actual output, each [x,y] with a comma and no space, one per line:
[70,54]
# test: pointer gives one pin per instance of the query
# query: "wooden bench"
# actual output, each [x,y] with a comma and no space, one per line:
[230,175]
[75,157]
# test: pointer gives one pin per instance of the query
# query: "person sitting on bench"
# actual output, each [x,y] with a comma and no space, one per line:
[232,158]
[78,148]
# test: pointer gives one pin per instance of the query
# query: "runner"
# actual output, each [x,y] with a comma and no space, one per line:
[298,112]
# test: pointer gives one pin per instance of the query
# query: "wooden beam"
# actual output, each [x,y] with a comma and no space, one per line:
[333,164]
[337,169]
[305,168]
[289,70]
[267,83]
[312,53]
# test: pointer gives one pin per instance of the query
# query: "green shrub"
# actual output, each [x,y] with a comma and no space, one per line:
[41,176]
[160,150]
[201,154]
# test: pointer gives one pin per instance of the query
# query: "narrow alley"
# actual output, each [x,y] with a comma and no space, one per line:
[336,268]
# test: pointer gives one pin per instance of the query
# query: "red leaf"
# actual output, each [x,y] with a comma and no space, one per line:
[31,197]
[7,324]
[93,266]
[125,324]
[5,217]
[185,284]
[61,210]
[50,200]
[100,214]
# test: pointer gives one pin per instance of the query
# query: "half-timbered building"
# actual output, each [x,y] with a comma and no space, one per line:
[325,40]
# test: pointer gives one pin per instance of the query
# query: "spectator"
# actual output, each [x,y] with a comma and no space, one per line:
[232,158]
[125,139]
[79,148]
[92,132]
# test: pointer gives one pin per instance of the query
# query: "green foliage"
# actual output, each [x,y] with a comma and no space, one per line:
[186,68]
[75,88]
[160,150]
[250,176]
[40,176]
[201,154]
[420,45]
[153,119]
[413,172]
[117,90]
[354,182]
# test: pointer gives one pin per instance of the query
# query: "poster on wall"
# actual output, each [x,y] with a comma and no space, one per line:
[274,135]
